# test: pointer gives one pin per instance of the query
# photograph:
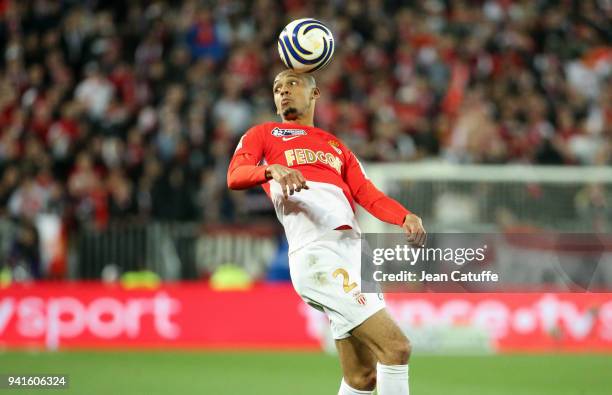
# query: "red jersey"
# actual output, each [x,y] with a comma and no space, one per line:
[335,178]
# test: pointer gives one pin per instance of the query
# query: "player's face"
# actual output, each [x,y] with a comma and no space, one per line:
[293,95]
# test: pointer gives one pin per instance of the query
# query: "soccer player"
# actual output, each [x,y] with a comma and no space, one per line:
[314,181]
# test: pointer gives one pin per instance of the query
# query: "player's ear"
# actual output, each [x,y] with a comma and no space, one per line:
[316,93]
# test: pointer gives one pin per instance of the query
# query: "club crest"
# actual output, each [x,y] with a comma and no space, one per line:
[336,146]
[360,298]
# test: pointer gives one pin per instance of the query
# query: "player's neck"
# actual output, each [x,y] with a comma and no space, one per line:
[300,121]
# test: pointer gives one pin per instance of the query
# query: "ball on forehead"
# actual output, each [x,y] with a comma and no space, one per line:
[306,45]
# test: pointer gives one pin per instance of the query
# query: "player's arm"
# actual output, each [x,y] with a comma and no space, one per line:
[244,173]
[244,170]
[378,204]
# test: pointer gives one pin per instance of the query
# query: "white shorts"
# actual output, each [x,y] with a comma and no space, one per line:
[327,275]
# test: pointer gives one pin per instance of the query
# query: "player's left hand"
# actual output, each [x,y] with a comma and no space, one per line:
[415,230]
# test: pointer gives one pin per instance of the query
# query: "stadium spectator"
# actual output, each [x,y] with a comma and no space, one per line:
[94,92]
[122,105]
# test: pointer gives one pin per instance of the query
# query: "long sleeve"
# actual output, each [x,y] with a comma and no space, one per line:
[244,170]
[244,173]
[369,197]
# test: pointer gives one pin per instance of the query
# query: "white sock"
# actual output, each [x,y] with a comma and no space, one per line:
[346,389]
[392,379]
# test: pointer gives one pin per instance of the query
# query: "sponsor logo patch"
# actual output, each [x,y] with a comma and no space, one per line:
[303,156]
[278,132]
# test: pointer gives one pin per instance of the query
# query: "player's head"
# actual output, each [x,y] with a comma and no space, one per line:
[295,95]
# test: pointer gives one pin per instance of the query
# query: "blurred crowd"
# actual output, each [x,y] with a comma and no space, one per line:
[114,109]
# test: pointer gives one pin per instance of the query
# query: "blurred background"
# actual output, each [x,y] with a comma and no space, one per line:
[118,120]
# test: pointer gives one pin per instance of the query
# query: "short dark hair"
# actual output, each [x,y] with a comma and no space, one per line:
[305,77]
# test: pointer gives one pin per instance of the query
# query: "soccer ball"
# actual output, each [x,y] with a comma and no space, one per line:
[306,45]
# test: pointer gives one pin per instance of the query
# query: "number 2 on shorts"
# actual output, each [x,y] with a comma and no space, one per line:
[345,279]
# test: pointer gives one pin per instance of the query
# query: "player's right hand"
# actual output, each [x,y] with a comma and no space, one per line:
[290,180]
